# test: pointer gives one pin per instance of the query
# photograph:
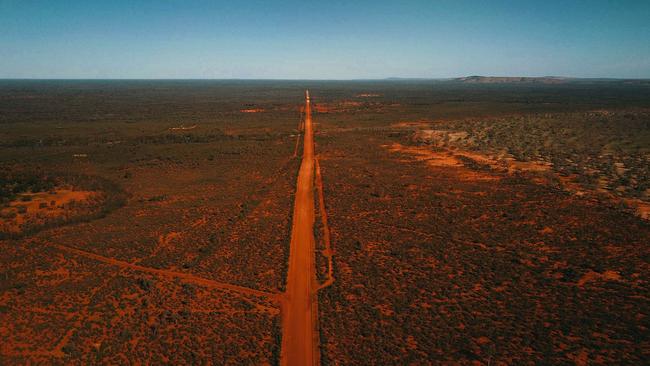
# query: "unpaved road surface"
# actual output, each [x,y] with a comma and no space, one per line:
[299,335]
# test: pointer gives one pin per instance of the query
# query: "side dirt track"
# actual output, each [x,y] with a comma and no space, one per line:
[185,277]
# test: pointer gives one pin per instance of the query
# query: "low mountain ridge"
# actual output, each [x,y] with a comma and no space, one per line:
[513,79]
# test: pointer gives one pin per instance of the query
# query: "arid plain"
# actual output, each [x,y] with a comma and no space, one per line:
[472,221]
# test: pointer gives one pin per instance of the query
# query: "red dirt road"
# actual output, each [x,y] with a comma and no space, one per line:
[299,335]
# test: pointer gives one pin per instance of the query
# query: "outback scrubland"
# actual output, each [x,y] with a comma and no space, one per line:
[468,222]
[186,192]
[607,150]
[489,225]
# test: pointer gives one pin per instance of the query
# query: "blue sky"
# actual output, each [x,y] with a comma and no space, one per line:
[323,39]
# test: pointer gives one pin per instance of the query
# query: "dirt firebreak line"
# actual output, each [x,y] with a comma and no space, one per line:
[185,277]
[327,252]
[300,128]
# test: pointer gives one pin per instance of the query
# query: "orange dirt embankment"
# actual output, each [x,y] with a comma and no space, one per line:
[299,315]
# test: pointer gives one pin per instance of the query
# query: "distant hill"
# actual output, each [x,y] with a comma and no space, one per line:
[544,80]
[513,79]
[414,79]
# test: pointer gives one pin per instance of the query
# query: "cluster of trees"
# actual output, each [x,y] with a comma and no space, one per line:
[14,182]
[109,196]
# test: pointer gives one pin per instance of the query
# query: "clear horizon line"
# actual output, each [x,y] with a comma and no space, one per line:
[389,78]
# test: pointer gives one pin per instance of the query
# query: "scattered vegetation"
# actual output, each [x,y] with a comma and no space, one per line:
[602,149]
[457,264]
[212,201]
[432,265]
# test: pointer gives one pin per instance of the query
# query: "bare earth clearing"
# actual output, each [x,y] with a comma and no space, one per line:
[40,206]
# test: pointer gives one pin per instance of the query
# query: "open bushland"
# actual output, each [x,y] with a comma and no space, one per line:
[185,269]
[600,150]
[447,263]
[451,246]
[486,223]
